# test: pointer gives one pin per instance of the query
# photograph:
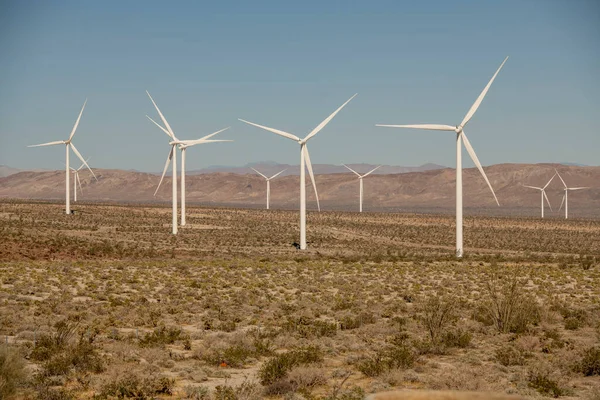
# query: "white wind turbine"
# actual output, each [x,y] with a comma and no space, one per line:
[543,193]
[304,158]
[76,180]
[268,183]
[360,178]
[460,136]
[565,199]
[68,143]
[183,146]
[173,155]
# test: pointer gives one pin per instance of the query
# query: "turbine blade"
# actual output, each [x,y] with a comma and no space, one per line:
[547,201]
[562,202]
[277,174]
[477,103]
[77,122]
[258,172]
[478,164]
[327,120]
[164,120]
[214,133]
[433,127]
[160,126]
[78,154]
[561,179]
[373,170]
[83,165]
[310,172]
[48,144]
[533,187]
[357,174]
[165,169]
[578,188]
[188,143]
[277,131]
[549,181]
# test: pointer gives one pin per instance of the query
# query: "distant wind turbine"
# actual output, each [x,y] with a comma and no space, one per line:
[76,180]
[565,199]
[68,143]
[360,179]
[268,182]
[460,136]
[183,144]
[543,193]
[304,158]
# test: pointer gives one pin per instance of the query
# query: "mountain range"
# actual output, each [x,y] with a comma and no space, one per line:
[431,190]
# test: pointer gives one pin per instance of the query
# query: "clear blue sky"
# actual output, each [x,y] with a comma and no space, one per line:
[290,64]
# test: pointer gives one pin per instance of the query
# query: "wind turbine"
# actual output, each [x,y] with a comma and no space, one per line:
[304,159]
[68,144]
[565,199]
[268,183]
[543,193]
[360,178]
[76,180]
[460,136]
[183,146]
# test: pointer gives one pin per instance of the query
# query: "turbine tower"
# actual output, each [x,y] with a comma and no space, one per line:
[360,179]
[565,199]
[543,193]
[69,144]
[183,146]
[304,164]
[268,183]
[460,137]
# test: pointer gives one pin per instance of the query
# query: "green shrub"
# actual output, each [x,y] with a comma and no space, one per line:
[132,386]
[278,366]
[161,336]
[12,371]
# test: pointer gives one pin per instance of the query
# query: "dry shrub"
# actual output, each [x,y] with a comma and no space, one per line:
[398,354]
[589,363]
[510,355]
[278,367]
[132,385]
[12,371]
[436,314]
[508,307]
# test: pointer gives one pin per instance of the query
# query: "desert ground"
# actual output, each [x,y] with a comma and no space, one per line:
[107,304]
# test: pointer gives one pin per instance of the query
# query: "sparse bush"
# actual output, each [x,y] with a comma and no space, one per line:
[197,393]
[508,307]
[436,314]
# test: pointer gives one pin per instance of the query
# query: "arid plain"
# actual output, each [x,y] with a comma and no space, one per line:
[107,303]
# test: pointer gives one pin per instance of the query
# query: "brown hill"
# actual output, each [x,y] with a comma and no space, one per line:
[429,191]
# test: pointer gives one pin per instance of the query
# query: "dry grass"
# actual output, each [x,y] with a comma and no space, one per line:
[98,304]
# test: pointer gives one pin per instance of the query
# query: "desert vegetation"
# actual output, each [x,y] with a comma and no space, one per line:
[108,304]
